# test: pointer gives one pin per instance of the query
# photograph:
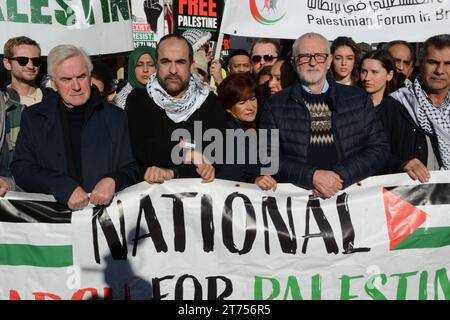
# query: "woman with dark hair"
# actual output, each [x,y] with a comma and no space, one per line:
[378,76]
[282,75]
[344,67]
[141,65]
[102,77]
[237,93]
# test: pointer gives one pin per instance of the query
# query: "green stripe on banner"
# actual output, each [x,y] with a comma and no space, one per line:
[426,238]
[37,256]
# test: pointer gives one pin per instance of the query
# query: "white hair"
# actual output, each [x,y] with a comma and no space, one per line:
[63,52]
[310,35]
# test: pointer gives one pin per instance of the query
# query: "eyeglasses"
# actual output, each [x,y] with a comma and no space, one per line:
[267,58]
[23,61]
[306,58]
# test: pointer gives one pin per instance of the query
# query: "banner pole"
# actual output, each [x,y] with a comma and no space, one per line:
[217,51]
[218,47]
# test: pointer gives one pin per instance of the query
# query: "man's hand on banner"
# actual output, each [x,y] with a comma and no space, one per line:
[204,167]
[266,183]
[326,183]
[5,186]
[79,199]
[103,192]
[417,170]
[152,10]
[155,174]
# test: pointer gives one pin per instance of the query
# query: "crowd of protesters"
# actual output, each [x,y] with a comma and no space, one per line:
[341,112]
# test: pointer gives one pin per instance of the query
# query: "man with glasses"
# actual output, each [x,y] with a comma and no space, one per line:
[264,52]
[22,58]
[74,145]
[330,136]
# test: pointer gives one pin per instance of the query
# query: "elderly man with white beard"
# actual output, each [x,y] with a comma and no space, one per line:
[330,136]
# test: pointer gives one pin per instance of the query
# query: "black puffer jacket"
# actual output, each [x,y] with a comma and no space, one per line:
[361,142]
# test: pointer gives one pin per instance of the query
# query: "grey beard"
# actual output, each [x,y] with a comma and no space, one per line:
[310,81]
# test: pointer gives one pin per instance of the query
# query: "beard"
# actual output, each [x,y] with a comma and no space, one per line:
[174,88]
[308,79]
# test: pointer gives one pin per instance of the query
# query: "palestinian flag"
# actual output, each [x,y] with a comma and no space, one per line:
[418,216]
[35,233]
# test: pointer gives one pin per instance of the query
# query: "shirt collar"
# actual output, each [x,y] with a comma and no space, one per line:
[325,88]
[443,105]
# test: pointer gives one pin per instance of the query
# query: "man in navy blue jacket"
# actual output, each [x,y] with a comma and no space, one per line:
[73,143]
[330,136]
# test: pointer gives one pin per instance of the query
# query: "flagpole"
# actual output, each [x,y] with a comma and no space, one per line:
[218,47]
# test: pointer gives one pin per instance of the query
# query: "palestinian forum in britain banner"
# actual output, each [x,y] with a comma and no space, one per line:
[363,20]
[387,237]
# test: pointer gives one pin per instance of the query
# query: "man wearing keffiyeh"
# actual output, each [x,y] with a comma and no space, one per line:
[173,100]
[420,134]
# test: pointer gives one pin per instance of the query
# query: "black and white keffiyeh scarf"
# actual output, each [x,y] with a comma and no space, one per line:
[179,109]
[434,120]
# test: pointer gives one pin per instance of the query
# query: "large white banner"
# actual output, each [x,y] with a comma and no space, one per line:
[99,26]
[363,20]
[384,238]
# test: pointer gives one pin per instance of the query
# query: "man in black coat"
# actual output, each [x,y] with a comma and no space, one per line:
[330,136]
[418,127]
[73,143]
[175,109]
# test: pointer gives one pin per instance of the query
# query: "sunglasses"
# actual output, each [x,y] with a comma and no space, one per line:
[267,58]
[23,61]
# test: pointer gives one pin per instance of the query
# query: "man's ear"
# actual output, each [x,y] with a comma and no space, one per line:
[7,64]
[329,61]
[52,83]
[390,75]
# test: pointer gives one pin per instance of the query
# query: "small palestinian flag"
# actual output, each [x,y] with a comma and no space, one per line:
[35,233]
[418,216]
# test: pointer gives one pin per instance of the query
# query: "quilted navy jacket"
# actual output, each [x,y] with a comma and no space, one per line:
[360,140]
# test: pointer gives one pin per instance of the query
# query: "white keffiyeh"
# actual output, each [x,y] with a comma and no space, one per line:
[179,109]
[434,120]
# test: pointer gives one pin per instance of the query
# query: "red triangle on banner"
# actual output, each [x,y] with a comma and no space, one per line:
[402,218]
